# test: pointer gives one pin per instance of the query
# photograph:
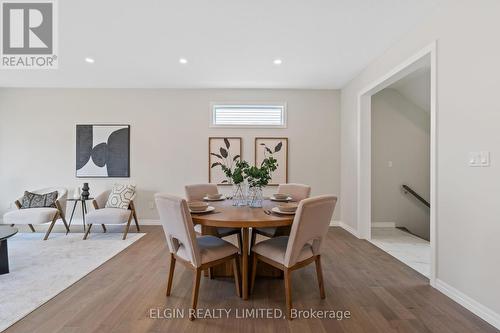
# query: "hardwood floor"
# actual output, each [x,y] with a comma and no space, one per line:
[382,295]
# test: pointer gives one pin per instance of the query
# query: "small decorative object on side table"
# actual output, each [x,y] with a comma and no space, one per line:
[5,232]
[84,208]
[85,191]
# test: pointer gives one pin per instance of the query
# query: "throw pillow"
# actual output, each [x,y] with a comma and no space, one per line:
[33,200]
[120,196]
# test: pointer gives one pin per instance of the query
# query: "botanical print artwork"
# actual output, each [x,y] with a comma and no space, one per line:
[278,149]
[102,150]
[223,153]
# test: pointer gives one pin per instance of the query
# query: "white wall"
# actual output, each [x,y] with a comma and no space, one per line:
[169,137]
[468,118]
[400,135]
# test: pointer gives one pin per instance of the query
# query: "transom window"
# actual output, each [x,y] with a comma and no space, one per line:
[246,115]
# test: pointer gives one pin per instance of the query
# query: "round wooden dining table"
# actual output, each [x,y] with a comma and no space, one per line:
[229,216]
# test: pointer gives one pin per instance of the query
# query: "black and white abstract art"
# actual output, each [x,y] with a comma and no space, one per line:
[103,150]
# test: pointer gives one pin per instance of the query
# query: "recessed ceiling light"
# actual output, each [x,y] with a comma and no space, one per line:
[89,60]
[277,61]
[183,61]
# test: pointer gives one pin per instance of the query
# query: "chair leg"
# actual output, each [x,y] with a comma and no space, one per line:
[51,226]
[196,288]
[319,273]
[65,223]
[170,274]
[31,227]
[103,228]
[254,272]
[253,239]
[127,227]
[136,220]
[288,293]
[240,242]
[236,271]
[210,273]
[87,232]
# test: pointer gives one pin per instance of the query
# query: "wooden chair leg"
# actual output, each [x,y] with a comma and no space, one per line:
[211,274]
[253,239]
[136,220]
[31,227]
[236,271]
[196,288]
[103,228]
[51,226]
[127,227]
[288,294]
[254,272]
[170,274]
[319,273]
[87,232]
[240,242]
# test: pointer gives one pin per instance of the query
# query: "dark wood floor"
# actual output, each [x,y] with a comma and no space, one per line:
[382,295]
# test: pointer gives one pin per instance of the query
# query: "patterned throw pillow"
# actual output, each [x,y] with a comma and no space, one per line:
[33,200]
[120,196]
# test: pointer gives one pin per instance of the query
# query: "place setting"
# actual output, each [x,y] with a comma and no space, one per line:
[287,208]
[200,207]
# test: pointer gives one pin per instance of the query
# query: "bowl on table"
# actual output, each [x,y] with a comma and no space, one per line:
[288,207]
[215,196]
[281,196]
[197,206]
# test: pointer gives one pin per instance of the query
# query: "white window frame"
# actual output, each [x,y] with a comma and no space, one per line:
[253,104]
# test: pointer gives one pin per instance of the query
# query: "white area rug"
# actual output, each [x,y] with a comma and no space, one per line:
[39,270]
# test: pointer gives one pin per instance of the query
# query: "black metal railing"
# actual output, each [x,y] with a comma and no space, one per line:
[408,189]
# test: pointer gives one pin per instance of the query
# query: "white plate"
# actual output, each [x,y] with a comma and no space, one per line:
[277,210]
[220,199]
[208,210]
[272,198]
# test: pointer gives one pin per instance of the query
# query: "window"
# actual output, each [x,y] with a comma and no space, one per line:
[243,115]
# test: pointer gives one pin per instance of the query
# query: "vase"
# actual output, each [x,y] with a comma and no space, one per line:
[255,196]
[239,195]
[85,191]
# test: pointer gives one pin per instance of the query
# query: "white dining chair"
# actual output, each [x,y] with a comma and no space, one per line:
[42,215]
[302,247]
[104,215]
[197,192]
[196,253]
[298,192]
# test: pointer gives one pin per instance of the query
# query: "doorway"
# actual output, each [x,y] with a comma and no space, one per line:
[424,60]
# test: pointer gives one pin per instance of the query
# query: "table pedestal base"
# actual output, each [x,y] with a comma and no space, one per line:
[4,257]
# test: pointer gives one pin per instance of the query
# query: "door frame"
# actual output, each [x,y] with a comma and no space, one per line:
[363,200]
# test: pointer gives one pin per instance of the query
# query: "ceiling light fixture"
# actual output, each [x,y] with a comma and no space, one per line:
[183,61]
[89,60]
[277,61]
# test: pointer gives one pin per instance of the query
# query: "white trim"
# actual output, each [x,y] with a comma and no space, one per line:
[383,225]
[363,200]
[345,226]
[470,304]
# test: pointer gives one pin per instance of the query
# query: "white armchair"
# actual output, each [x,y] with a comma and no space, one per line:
[31,216]
[103,215]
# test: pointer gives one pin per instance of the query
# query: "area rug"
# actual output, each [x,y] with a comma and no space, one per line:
[39,270]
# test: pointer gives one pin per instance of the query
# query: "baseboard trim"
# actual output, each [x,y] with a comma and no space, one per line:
[344,226]
[470,304]
[383,224]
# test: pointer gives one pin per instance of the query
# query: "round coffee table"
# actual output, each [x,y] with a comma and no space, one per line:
[5,233]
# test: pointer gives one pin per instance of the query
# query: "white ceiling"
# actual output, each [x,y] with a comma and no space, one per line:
[228,43]
[416,87]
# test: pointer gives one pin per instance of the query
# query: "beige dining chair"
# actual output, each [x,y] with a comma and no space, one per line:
[197,253]
[197,192]
[41,215]
[298,192]
[302,247]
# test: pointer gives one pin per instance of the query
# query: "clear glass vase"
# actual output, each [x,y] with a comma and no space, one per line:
[239,195]
[255,196]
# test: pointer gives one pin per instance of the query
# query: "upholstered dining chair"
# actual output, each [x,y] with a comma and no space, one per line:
[104,215]
[197,192]
[302,247]
[42,215]
[196,253]
[298,192]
